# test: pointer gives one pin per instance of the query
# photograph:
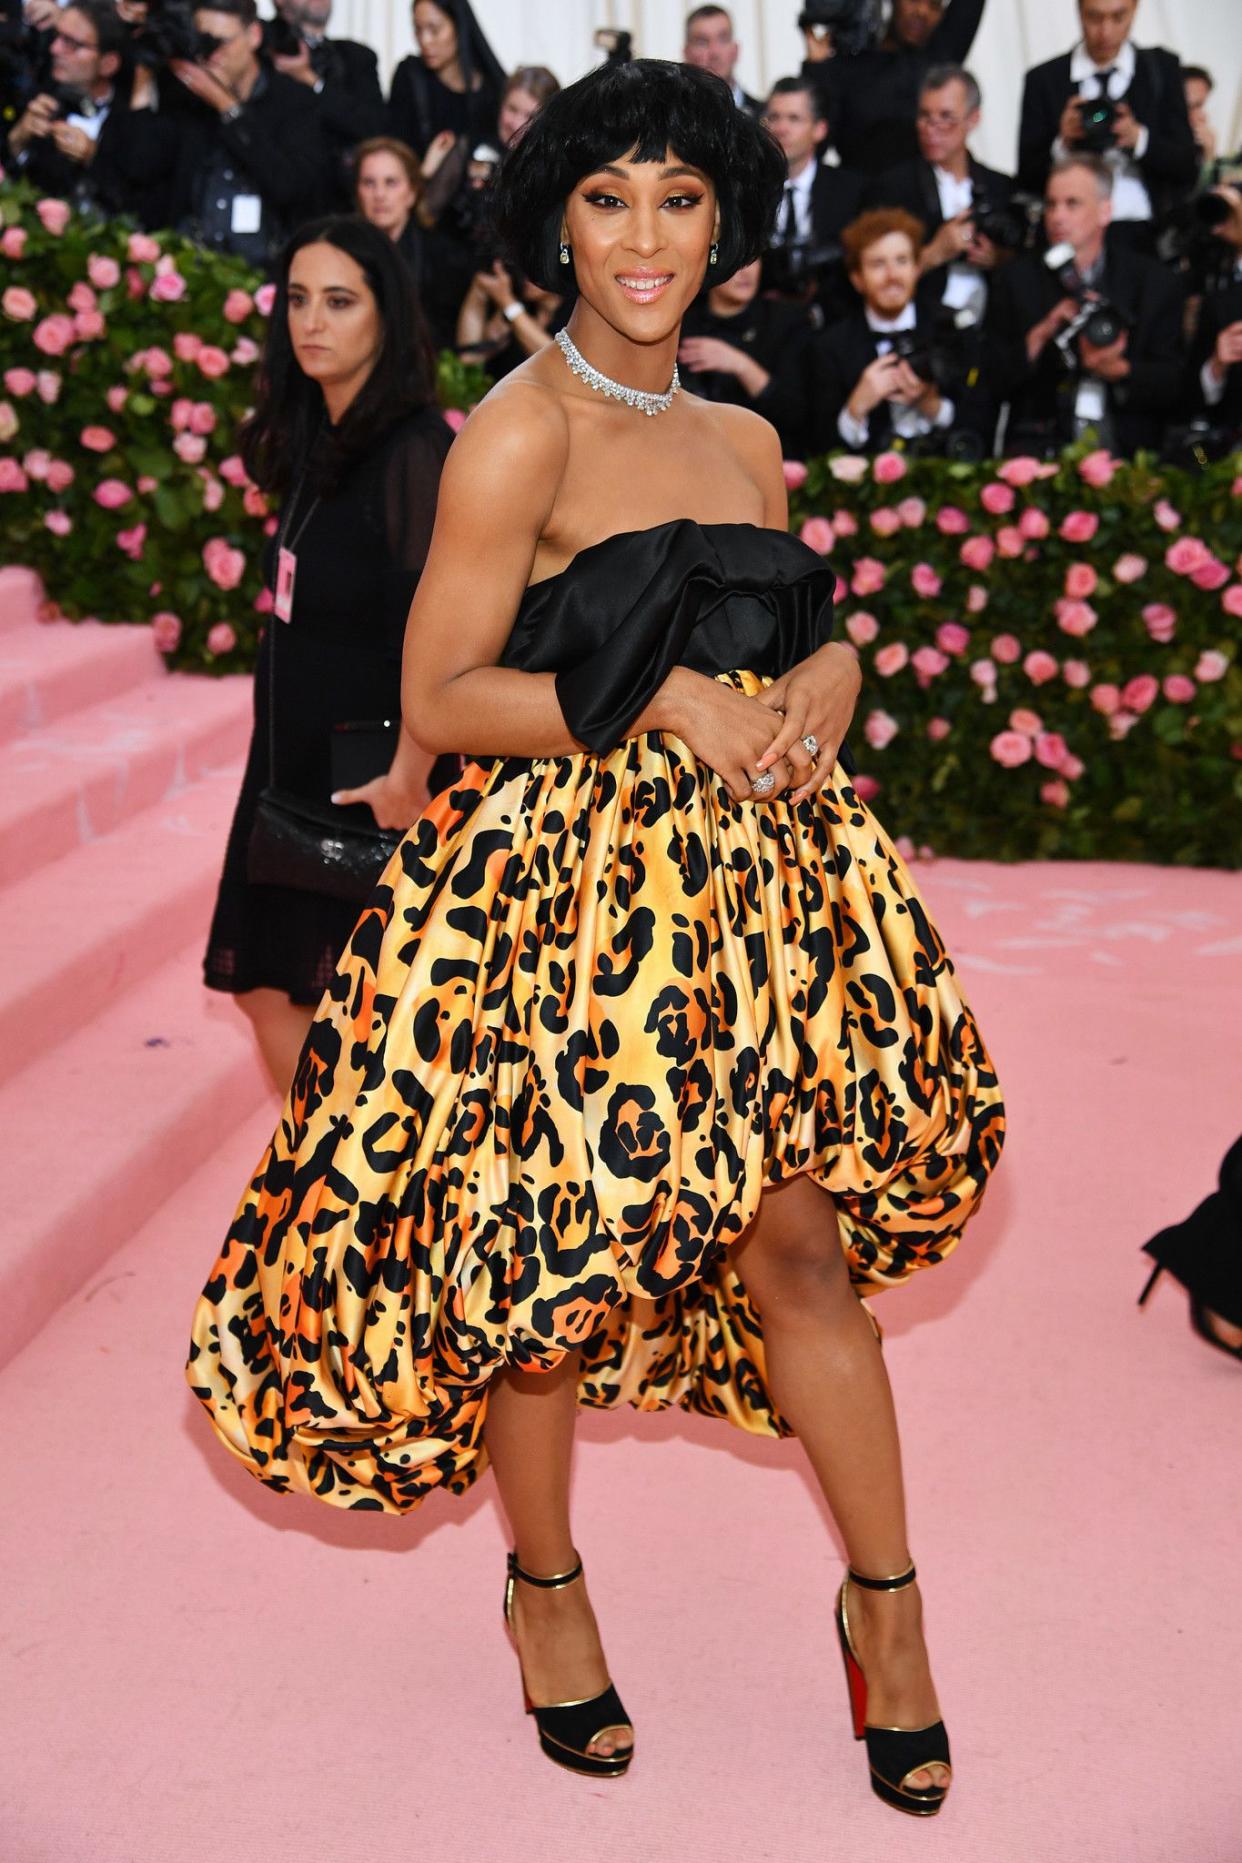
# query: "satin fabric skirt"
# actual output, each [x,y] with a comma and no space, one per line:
[592,1011]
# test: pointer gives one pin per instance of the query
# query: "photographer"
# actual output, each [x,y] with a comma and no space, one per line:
[1216,360]
[752,352]
[964,206]
[1063,374]
[880,374]
[25,57]
[1107,98]
[870,95]
[343,75]
[804,259]
[250,165]
[93,135]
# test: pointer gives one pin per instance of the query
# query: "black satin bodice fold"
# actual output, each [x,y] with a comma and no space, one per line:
[717,598]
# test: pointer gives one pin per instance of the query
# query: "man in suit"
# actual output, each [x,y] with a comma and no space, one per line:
[1148,144]
[946,188]
[711,45]
[342,74]
[1216,356]
[871,382]
[818,203]
[1123,390]
[101,143]
[870,97]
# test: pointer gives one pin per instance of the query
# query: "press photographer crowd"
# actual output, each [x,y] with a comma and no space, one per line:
[909,292]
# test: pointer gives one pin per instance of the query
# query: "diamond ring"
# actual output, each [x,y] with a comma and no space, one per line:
[763,784]
[810,745]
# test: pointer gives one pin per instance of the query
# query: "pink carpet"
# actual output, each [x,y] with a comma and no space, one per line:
[192,1667]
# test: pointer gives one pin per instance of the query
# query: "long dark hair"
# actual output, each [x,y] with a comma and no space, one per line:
[288,424]
[474,52]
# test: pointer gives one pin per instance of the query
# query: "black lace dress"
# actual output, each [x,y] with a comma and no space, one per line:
[339,659]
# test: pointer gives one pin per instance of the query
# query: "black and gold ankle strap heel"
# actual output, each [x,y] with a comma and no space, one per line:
[567,1728]
[895,1753]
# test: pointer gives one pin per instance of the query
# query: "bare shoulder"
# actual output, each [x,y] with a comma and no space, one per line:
[756,446]
[516,439]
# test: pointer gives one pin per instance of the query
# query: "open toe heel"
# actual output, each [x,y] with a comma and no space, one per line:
[895,1754]
[567,1728]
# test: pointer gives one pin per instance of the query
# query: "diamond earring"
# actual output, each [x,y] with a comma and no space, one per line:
[714,253]
[564,254]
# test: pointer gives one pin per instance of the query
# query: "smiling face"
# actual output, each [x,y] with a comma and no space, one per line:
[640,233]
[334,322]
[887,274]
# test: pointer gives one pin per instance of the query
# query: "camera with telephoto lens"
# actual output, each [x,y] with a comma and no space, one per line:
[1201,236]
[1098,116]
[170,33]
[282,37]
[850,24]
[941,356]
[70,100]
[791,270]
[1097,320]
[1007,225]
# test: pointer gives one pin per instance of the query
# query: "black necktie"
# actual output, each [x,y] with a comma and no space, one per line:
[1104,78]
[788,228]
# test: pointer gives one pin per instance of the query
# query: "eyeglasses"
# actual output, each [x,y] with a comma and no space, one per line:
[75,45]
[939,119]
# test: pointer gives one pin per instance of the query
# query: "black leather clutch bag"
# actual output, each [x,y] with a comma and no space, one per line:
[316,848]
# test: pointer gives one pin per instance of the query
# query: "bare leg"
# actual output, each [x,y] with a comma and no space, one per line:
[826,1374]
[529,1434]
[280,1029]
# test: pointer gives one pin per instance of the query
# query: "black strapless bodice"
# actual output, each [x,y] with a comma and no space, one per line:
[714,597]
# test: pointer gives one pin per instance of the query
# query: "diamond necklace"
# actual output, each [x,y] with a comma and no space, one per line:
[640,398]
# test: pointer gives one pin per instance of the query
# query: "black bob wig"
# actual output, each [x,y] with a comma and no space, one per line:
[649,108]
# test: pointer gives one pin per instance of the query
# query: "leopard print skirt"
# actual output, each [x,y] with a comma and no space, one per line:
[593,1009]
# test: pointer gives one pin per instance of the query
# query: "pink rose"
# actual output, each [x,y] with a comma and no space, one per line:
[938,728]
[1231,600]
[47,381]
[264,298]
[18,304]
[97,439]
[928,663]
[1210,575]
[9,422]
[213,491]
[146,484]
[983,672]
[862,628]
[888,468]
[454,417]
[848,468]
[1050,749]
[1034,524]
[1076,673]
[1129,568]
[221,638]
[869,576]
[1023,470]
[186,345]
[1140,693]
[912,512]
[1039,667]
[131,541]
[816,533]
[212,361]
[264,602]
[244,351]
[1072,767]
[81,297]
[976,598]
[925,581]
[1186,555]
[225,565]
[1023,719]
[1076,618]
[1211,666]
[1166,515]
[1009,541]
[891,658]
[238,306]
[1161,621]
[1178,689]
[12,477]
[112,494]
[1056,793]
[1079,527]
[135,284]
[89,326]
[180,412]
[866,788]
[880,729]
[167,630]
[59,476]
[1080,581]
[997,498]
[37,463]
[202,417]
[54,334]
[795,474]
[116,398]
[885,522]
[1011,749]
[1006,648]
[157,364]
[1120,723]
[951,521]
[168,287]
[1098,469]
[58,522]
[190,447]
[103,272]
[977,553]
[142,249]
[1106,699]
[845,524]
[952,637]
[13,242]
[19,382]
[254,501]
[54,215]
[273,525]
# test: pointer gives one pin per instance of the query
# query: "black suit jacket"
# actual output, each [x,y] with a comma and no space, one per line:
[836,199]
[1220,309]
[912,185]
[351,103]
[1171,164]
[1041,397]
[778,337]
[131,172]
[277,144]
[839,355]
[871,99]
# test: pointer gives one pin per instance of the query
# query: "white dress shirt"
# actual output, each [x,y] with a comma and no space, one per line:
[908,422]
[799,186]
[965,288]
[1131,201]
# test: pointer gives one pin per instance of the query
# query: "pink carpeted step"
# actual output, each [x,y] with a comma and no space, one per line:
[49,671]
[69,782]
[21,595]
[148,891]
[100,1128]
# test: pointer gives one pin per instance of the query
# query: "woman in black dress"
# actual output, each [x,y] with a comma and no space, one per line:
[346,432]
[452,86]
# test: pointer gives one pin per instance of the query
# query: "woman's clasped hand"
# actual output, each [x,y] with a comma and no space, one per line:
[792,730]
